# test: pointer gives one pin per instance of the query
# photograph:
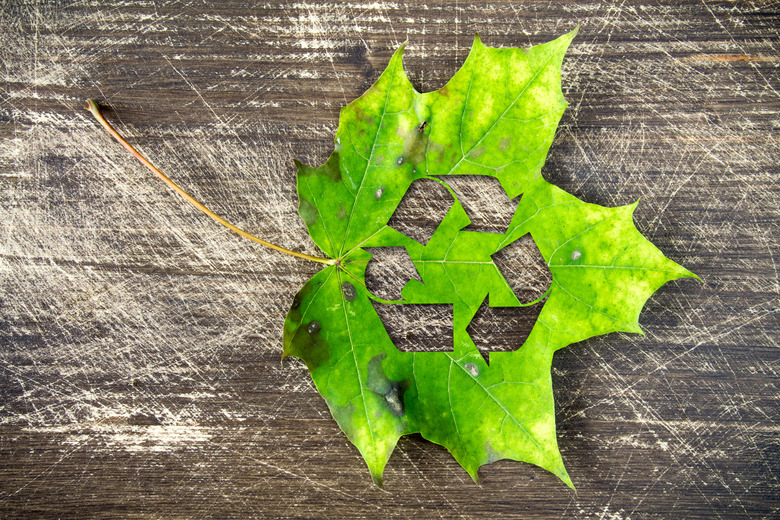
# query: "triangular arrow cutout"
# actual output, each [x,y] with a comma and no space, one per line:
[502,329]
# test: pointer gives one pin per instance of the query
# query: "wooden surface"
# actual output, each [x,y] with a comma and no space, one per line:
[140,342]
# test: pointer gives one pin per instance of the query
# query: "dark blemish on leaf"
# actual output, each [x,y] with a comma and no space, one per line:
[362,117]
[376,379]
[299,341]
[503,143]
[341,214]
[472,369]
[349,291]
[415,145]
[344,416]
[477,152]
[307,212]
[575,255]
[380,159]
[422,126]
[378,382]
[393,399]
[436,151]
[492,454]
[303,170]
[296,303]
[331,169]
[310,347]
[313,327]
[378,193]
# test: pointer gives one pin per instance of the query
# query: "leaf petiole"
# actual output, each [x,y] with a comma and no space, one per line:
[93,107]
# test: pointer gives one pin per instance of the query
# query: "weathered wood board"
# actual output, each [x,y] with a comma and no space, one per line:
[140,342]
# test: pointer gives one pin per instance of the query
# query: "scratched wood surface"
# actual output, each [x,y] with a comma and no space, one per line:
[140,342]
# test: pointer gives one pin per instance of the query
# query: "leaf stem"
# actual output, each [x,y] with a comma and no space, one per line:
[93,107]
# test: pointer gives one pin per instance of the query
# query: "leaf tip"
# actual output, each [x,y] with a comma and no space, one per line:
[691,274]
[378,480]
[682,272]
[299,166]
[563,475]
[569,36]
[397,62]
[399,52]
[474,474]
[633,327]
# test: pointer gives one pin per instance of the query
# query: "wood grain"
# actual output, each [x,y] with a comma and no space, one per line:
[140,343]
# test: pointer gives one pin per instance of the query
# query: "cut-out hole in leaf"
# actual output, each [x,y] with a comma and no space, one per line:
[502,329]
[388,271]
[524,269]
[418,327]
[421,210]
[486,203]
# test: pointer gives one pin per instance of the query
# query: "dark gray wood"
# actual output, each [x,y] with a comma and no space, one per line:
[140,342]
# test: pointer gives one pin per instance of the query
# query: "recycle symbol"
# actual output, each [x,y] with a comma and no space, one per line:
[426,327]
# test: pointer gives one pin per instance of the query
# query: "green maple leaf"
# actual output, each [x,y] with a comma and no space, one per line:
[497,116]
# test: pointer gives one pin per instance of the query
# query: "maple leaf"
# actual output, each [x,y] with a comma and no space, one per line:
[497,117]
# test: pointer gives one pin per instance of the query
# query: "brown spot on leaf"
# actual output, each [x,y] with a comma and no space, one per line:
[477,152]
[308,212]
